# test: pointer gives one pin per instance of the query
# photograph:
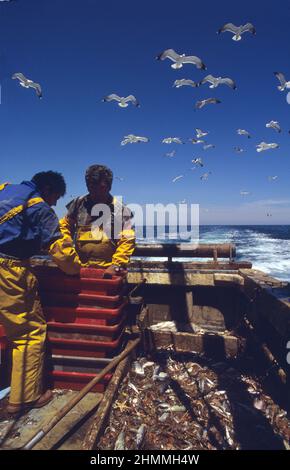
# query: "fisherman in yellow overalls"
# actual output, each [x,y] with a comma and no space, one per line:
[100,225]
[28,225]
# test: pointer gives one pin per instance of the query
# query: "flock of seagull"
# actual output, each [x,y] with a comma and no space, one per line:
[178,61]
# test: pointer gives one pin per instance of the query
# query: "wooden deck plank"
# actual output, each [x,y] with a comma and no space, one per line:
[103,411]
[25,427]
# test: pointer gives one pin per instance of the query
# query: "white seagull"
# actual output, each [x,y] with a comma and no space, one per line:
[197,161]
[180,59]
[26,83]
[245,193]
[202,103]
[238,149]
[172,140]
[272,178]
[237,30]
[177,178]
[205,176]
[196,141]
[284,84]
[184,82]
[216,81]
[243,132]
[133,139]
[200,133]
[208,146]
[264,146]
[123,101]
[170,154]
[274,125]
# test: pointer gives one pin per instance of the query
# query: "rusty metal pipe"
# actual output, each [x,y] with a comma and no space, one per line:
[223,250]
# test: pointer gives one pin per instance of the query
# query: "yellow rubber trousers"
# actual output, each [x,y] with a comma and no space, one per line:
[25,326]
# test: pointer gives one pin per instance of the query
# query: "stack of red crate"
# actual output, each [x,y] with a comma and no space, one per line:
[4,360]
[86,318]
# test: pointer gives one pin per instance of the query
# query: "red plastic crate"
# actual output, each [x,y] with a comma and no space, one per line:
[85,331]
[80,300]
[5,360]
[76,380]
[85,348]
[56,281]
[3,339]
[87,315]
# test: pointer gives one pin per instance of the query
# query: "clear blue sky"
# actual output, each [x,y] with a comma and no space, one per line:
[80,51]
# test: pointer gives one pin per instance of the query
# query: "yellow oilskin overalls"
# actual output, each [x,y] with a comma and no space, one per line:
[20,309]
[25,327]
[95,248]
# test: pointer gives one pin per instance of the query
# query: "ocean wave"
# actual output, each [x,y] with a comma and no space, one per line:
[266,247]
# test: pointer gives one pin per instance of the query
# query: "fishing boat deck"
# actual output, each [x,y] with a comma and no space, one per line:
[230,327]
[14,433]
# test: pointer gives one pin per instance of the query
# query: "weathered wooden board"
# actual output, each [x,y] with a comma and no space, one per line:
[100,417]
[214,345]
[267,300]
[27,426]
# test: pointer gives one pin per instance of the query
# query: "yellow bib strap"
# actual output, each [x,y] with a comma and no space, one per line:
[2,186]
[17,210]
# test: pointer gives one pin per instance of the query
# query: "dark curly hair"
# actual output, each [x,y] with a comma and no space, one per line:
[96,173]
[55,181]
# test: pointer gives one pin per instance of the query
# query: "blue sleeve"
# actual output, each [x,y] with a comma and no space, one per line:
[49,230]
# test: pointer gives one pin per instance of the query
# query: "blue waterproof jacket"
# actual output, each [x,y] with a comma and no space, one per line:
[27,223]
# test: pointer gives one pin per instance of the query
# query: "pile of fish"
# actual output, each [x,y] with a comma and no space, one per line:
[187,402]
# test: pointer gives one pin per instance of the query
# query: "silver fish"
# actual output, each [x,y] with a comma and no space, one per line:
[133,387]
[163,417]
[120,442]
[138,368]
[228,437]
[177,409]
[140,435]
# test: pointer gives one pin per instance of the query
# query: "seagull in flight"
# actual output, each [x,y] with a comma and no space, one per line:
[26,83]
[216,81]
[133,139]
[119,178]
[180,59]
[197,161]
[123,101]
[205,176]
[264,146]
[196,141]
[274,125]
[272,178]
[177,178]
[245,193]
[184,82]
[200,133]
[208,146]
[170,154]
[172,140]
[237,30]
[202,103]
[238,149]
[284,84]
[244,132]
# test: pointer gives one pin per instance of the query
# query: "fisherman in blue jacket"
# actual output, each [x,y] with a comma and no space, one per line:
[28,225]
